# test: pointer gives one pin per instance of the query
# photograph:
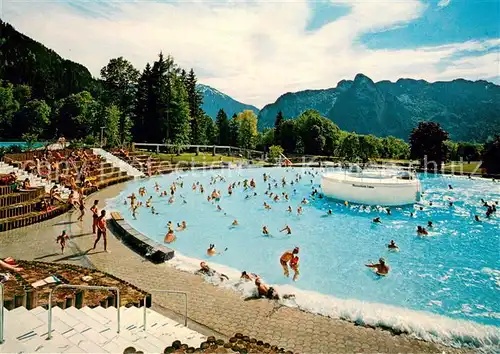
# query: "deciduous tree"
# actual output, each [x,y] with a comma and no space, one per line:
[427,144]
[247,132]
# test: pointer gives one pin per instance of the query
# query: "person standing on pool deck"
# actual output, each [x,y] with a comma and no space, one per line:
[95,215]
[287,257]
[101,230]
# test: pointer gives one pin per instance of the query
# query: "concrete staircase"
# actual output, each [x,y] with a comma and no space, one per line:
[117,162]
[89,330]
[35,181]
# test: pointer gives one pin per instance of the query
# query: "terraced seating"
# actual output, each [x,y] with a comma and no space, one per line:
[98,172]
[23,208]
[147,164]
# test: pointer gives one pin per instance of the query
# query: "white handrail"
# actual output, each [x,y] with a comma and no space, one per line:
[90,287]
[1,314]
[169,292]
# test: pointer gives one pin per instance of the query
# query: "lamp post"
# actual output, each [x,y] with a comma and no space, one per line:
[102,135]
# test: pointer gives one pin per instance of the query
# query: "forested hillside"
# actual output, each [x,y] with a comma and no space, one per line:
[469,111]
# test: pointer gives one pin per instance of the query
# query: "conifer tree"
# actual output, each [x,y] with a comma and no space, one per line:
[223,127]
[233,130]
[277,128]
[195,99]
[142,107]
[120,80]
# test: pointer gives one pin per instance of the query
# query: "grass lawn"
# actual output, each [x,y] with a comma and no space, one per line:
[458,167]
[202,157]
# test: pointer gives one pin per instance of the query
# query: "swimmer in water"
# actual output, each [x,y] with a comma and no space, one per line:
[429,224]
[169,237]
[235,223]
[267,206]
[170,226]
[299,210]
[388,211]
[449,186]
[206,270]
[381,267]
[289,209]
[287,229]
[392,245]
[377,220]
[182,226]
[218,207]
[211,251]
[305,201]
[269,292]
[153,211]
[421,231]
[287,257]
[329,211]
[476,217]
[265,231]
[134,212]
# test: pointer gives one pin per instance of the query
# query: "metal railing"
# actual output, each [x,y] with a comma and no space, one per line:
[168,292]
[1,313]
[88,287]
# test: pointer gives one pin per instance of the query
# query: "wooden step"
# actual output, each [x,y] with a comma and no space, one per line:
[31,218]
[21,197]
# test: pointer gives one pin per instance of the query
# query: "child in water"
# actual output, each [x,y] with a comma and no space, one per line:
[294,265]
[61,239]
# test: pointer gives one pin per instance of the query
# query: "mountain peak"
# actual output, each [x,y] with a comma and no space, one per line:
[363,79]
[214,100]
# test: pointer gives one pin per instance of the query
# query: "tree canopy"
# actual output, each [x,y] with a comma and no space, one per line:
[427,143]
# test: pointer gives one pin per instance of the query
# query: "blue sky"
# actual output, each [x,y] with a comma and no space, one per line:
[256,50]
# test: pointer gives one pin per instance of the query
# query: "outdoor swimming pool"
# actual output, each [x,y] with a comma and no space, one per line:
[21,144]
[454,272]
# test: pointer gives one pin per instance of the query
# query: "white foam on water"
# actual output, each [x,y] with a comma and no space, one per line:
[418,324]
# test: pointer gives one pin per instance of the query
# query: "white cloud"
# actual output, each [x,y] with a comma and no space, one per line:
[443,3]
[251,51]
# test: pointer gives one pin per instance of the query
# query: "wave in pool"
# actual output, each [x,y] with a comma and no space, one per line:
[418,324]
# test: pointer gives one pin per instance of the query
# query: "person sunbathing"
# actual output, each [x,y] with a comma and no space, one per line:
[10,264]
[269,292]
[206,270]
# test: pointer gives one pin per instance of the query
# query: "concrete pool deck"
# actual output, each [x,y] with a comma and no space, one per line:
[211,309]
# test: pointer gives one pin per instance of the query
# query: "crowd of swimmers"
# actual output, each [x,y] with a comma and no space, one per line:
[289,260]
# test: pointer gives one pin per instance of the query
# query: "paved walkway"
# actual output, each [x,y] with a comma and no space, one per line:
[219,309]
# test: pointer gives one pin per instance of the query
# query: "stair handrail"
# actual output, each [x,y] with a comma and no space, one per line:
[1,313]
[88,287]
[168,292]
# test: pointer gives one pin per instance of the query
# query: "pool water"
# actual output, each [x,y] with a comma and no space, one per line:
[22,144]
[453,272]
